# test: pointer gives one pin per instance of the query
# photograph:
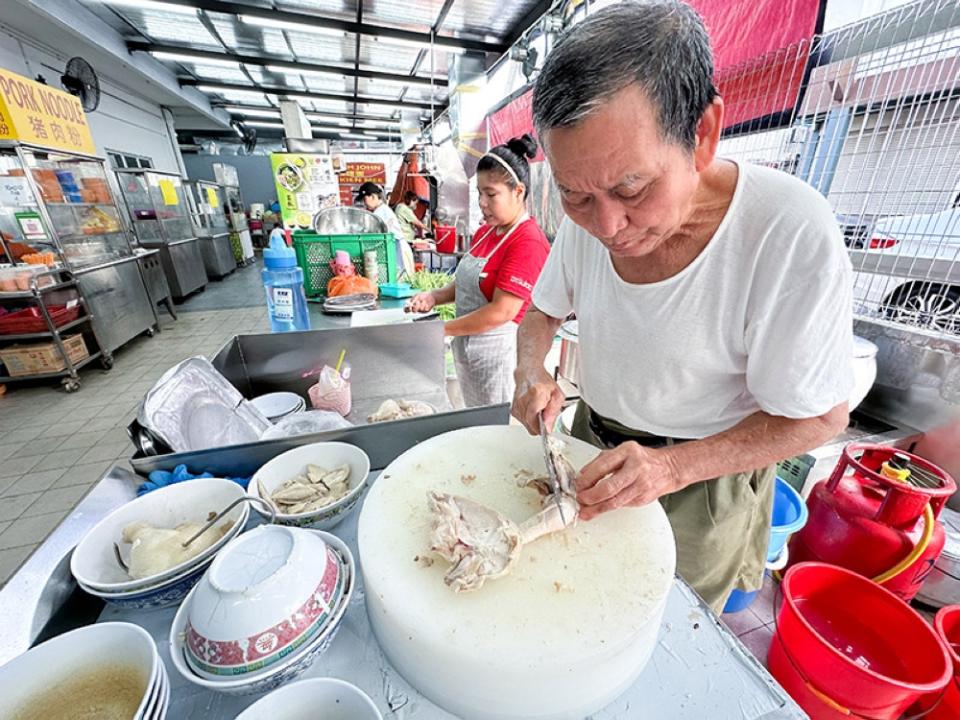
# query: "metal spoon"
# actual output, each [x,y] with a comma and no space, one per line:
[269,507]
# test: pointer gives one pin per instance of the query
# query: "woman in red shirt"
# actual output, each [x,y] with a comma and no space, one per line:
[495,279]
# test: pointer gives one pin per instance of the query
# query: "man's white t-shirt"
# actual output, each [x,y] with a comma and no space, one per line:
[760,320]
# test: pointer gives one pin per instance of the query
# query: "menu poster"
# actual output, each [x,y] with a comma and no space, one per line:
[306,184]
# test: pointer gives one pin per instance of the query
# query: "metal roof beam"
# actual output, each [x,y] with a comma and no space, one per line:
[294,92]
[262,61]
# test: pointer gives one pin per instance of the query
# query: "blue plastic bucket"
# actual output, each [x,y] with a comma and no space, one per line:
[789,515]
[739,600]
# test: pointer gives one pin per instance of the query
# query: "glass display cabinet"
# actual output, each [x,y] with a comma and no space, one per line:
[160,214]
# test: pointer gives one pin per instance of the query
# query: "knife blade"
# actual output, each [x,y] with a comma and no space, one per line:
[552,473]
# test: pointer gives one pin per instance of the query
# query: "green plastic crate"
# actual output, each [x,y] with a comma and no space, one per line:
[315,252]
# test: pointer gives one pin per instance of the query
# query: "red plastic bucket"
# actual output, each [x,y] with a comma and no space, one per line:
[947,626]
[845,647]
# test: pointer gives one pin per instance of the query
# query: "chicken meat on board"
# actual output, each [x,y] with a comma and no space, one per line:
[481,543]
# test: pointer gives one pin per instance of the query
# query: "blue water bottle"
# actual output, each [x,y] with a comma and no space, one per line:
[283,281]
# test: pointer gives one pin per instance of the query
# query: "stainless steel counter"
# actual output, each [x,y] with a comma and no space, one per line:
[698,668]
[118,300]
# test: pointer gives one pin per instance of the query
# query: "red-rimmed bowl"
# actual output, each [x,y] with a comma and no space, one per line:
[268,593]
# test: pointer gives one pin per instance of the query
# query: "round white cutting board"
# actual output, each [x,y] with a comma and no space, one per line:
[562,635]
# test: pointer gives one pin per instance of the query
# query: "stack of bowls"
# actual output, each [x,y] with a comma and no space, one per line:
[105,670]
[271,603]
[288,465]
[94,563]
[327,698]
[277,405]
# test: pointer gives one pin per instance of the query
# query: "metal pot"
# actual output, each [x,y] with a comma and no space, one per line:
[569,367]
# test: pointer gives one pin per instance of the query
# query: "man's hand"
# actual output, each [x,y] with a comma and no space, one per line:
[534,394]
[628,475]
[421,303]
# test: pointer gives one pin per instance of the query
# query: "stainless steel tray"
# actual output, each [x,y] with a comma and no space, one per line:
[698,669]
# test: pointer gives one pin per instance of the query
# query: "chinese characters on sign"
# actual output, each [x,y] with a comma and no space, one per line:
[35,113]
[356,174]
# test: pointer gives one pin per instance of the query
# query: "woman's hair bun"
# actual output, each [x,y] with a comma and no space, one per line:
[524,146]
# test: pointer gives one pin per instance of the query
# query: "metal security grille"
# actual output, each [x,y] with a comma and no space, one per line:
[877,131]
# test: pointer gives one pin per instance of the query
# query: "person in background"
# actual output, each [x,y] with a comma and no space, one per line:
[407,216]
[494,280]
[371,195]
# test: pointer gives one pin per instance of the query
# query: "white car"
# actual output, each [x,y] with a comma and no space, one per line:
[907,267]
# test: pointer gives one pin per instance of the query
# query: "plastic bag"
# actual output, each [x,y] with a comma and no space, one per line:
[332,392]
[306,423]
[356,285]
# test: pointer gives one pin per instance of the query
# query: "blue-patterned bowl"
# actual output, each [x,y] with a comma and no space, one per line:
[281,672]
[287,465]
[167,594]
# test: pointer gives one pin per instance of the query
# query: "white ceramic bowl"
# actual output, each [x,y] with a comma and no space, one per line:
[66,656]
[276,405]
[156,703]
[294,462]
[280,672]
[266,594]
[327,698]
[94,564]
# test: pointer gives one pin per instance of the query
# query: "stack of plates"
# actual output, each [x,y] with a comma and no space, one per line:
[106,670]
[350,303]
[94,563]
[277,405]
[269,605]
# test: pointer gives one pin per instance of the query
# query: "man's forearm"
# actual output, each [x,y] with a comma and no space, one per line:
[755,442]
[534,340]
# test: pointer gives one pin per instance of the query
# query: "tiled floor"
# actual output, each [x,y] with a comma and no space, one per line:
[55,446]
[755,624]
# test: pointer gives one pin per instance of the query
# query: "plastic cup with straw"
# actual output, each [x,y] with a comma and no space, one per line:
[343,369]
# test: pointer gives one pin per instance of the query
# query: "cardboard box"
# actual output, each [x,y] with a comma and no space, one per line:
[42,358]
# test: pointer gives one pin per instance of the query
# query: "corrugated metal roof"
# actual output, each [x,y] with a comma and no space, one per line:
[484,18]
[487,20]
[422,13]
[387,55]
[344,9]
[174,27]
[311,46]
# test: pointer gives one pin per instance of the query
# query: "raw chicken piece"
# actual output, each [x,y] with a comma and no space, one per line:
[483,544]
[400,409]
[156,550]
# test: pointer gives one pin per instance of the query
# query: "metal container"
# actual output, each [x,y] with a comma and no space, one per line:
[347,221]
[942,586]
[387,361]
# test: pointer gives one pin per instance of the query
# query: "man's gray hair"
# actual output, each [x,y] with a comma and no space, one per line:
[661,45]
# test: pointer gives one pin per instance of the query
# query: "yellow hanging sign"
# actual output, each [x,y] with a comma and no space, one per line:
[169,192]
[38,114]
[212,199]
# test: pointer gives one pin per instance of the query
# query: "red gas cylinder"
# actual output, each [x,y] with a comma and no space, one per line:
[867,522]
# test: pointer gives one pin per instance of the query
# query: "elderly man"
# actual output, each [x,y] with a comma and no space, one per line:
[713,297]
